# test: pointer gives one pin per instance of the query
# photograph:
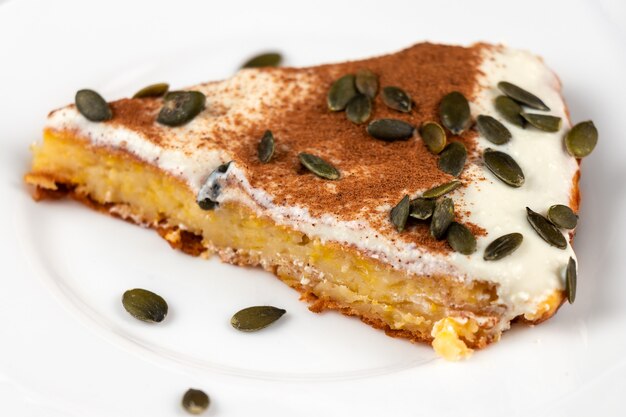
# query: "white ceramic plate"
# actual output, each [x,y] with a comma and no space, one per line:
[67,348]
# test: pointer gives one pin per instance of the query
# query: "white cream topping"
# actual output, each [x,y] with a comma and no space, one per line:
[525,277]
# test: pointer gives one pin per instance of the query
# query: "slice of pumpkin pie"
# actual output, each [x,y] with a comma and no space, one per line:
[428,192]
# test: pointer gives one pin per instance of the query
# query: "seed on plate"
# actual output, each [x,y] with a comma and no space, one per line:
[266,147]
[195,401]
[341,92]
[318,166]
[359,109]
[366,83]
[421,208]
[153,90]
[504,167]
[397,99]
[522,96]
[461,239]
[452,158]
[210,190]
[145,305]
[400,213]
[442,189]
[256,318]
[454,112]
[179,107]
[433,136]
[390,130]
[492,130]
[562,216]
[581,140]
[544,122]
[91,105]
[503,246]
[443,214]
[268,59]
[571,276]
[510,110]
[546,230]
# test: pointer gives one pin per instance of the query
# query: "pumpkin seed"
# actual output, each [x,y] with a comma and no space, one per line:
[397,99]
[510,110]
[443,214]
[492,130]
[359,109]
[571,276]
[266,147]
[268,59]
[195,401]
[145,305]
[503,246]
[433,136]
[421,208]
[454,112]
[210,190]
[452,158]
[366,83]
[581,140]
[180,107]
[442,189]
[256,318]
[544,122]
[522,96]
[504,167]
[318,166]
[91,105]
[461,239]
[562,216]
[546,230]
[341,92]
[153,90]
[390,130]
[400,213]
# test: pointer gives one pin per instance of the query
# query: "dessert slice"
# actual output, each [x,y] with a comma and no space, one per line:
[267,169]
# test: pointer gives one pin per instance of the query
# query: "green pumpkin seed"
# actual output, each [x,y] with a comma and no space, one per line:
[154,90]
[442,189]
[504,167]
[433,136]
[91,105]
[256,318]
[562,216]
[452,158]
[210,190]
[145,305]
[454,112]
[268,59]
[341,92]
[266,147]
[390,130]
[397,99]
[421,208]
[359,109]
[461,239]
[503,246]
[366,83]
[571,276]
[510,110]
[195,401]
[543,122]
[318,166]
[400,213]
[581,140]
[546,230]
[492,130]
[443,214]
[522,96]
[179,107]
